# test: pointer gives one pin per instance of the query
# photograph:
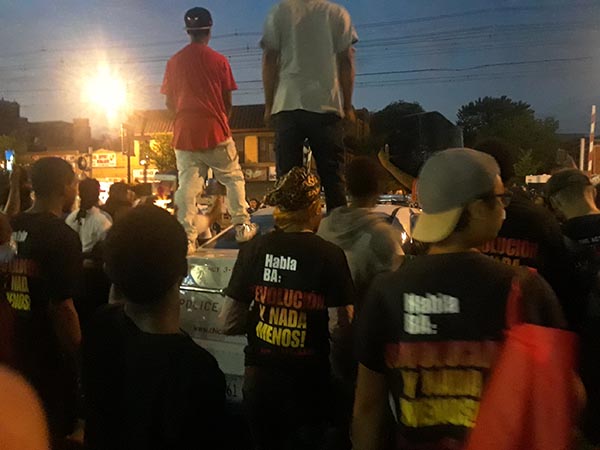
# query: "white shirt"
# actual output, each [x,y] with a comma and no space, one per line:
[308,35]
[92,228]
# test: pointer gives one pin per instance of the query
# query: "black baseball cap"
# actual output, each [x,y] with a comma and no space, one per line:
[564,179]
[198,19]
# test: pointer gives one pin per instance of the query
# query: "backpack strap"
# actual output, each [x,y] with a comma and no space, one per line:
[514,307]
[513,304]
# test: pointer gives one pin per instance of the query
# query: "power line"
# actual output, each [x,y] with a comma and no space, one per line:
[397,82]
[524,32]
[371,25]
[371,74]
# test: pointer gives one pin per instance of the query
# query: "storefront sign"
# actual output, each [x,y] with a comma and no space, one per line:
[104,159]
[139,174]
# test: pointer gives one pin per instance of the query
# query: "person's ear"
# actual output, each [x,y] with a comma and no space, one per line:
[555,203]
[478,210]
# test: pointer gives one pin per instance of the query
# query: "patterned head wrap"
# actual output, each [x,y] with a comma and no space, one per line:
[296,190]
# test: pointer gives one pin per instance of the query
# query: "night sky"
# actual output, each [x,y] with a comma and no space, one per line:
[441,53]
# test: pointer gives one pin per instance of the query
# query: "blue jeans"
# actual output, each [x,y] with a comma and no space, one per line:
[326,138]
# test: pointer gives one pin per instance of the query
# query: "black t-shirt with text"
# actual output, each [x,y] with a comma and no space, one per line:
[44,269]
[149,391]
[584,230]
[434,328]
[290,279]
[531,236]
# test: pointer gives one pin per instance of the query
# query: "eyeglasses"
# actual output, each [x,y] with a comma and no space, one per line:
[504,198]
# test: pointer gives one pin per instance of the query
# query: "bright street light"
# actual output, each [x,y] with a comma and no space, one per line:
[107,91]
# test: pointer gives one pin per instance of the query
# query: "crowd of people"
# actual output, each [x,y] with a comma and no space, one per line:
[469,343]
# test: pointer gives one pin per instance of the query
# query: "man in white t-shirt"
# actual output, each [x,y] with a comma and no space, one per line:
[308,77]
[89,221]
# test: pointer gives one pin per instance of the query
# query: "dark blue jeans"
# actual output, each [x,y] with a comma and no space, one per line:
[325,135]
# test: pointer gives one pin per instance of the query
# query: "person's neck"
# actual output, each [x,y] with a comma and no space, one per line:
[299,228]
[160,318]
[580,209]
[88,207]
[363,202]
[199,40]
[455,243]
[53,205]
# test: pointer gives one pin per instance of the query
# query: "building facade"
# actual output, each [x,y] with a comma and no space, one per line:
[255,141]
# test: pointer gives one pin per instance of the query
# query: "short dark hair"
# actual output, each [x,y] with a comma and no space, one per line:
[363,177]
[89,192]
[50,176]
[118,188]
[198,34]
[501,152]
[145,254]
[570,184]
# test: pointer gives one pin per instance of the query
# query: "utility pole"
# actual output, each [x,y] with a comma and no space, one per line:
[126,151]
[582,154]
[591,153]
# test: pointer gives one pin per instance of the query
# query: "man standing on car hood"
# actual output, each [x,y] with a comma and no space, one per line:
[198,84]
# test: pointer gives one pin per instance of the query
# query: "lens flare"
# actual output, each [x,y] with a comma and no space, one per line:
[107,91]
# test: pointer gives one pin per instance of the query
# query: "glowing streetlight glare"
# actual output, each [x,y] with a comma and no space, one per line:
[107,91]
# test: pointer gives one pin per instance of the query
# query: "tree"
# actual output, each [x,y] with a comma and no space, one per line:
[513,122]
[475,117]
[382,124]
[527,164]
[160,151]
[11,143]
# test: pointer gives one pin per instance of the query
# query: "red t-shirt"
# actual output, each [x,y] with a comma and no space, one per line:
[195,79]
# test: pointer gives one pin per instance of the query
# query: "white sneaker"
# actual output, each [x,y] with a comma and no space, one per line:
[245,231]
[191,248]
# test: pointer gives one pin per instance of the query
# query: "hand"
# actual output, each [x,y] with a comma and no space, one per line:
[349,114]
[15,176]
[384,154]
[268,113]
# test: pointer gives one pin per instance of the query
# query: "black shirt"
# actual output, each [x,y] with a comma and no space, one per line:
[45,269]
[583,242]
[585,230]
[434,328]
[290,279]
[149,391]
[583,235]
[531,236]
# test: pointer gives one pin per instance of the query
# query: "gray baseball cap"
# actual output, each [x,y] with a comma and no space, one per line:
[448,182]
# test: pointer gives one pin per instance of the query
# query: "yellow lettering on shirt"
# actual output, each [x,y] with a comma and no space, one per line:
[19,301]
